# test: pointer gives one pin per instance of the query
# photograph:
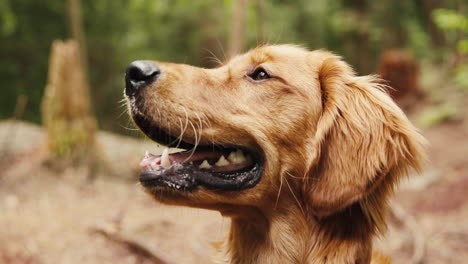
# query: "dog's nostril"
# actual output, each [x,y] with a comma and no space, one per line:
[140,74]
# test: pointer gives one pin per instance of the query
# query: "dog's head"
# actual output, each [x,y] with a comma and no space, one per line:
[276,116]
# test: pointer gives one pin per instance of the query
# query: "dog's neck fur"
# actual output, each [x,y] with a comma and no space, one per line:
[288,234]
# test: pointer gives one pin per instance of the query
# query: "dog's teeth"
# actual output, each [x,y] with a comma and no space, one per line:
[146,154]
[205,165]
[222,162]
[165,162]
[237,157]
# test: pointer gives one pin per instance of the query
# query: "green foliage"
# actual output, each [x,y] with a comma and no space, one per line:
[462,46]
[456,24]
[8,18]
[450,20]
[461,75]
[27,31]
[435,115]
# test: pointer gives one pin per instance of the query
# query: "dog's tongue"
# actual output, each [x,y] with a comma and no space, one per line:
[204,158]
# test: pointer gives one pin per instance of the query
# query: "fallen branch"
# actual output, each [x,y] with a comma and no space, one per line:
[132,246]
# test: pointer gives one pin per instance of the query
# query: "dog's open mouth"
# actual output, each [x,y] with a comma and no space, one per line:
[214,166]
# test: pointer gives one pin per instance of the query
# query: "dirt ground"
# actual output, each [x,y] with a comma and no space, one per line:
[52,217]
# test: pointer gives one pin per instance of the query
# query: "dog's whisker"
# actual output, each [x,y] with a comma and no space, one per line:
[168,125]
[128,128]
[186,120]
[181,133]
[294,195]
[294,177]
[208,126]
[125,109]
[122,102]
[122,113]
[182,128]
[196,136]
[220,45]
[279,192]
[122,105]
[213,57]
[196,142]
[206,120]
[166,121]
[200,128]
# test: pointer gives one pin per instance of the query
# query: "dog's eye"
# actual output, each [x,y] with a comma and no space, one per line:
[259,74]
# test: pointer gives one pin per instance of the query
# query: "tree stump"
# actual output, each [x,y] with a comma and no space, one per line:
[401,71]
[66,111]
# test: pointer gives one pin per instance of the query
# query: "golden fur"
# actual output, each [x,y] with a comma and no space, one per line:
[335,145]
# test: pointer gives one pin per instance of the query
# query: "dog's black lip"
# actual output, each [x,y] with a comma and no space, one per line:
[186,177]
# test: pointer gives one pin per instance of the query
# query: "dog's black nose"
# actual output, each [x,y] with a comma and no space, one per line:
[139,74]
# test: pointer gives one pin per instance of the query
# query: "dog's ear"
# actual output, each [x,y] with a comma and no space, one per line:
[363,140]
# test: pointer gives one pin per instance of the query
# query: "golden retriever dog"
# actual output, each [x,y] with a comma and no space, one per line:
[296,149]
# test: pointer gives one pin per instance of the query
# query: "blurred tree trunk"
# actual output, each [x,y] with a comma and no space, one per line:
[211,44]
[238,28]
[436,35]
[260,13]
[77,32]
[357,42]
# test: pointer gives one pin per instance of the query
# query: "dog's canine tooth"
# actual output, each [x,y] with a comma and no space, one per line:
[205,165]
[165,162]
[222,162]
[237,157]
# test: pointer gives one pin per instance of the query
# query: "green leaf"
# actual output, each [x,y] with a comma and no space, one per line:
[462,46]
[461,76]
[449,20]
[7,19]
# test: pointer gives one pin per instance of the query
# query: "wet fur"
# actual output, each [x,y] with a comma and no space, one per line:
[335,146]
